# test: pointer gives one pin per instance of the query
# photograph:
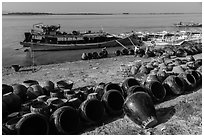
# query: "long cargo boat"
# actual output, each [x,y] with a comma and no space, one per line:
[50,38]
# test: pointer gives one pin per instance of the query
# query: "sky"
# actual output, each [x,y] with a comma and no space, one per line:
[103,7]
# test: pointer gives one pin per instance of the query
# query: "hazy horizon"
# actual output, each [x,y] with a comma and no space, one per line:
[103,7]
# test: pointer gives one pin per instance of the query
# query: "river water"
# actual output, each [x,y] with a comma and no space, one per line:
[13,28]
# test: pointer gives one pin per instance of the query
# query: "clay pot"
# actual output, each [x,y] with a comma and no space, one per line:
[181,53]
[197,75]
[57,93]
[65,120]
[40,107]
[140,109]
[174,85]
[131,52]
[55,103]
[92,110]
[124,51]
[134,89]
[21,91]
[113,86]
[129,82]
[117,52]
[5,111]
[16,67]
[11,124]
[65,84]
[198,63]
[189,79]
[6,89]
[113,101]
[84,56]
[12,101]
[95,55]
[32,124]
[100,90]
[28,83]
[93,96]
[48,86]
[156,90]
[34,91]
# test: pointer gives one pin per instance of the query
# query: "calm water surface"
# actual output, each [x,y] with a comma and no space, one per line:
[13,28]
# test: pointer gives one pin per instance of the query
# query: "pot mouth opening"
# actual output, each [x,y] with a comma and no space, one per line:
[195,75]
[94,110]
[158,90]
[69,120]
[190,78]
[131,82]
[115,101]
[34,125]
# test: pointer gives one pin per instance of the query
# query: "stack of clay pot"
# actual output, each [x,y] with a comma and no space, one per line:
[31,108]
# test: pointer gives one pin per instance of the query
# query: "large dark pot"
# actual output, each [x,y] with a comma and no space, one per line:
[55,103]
[65,120]
[92,110]
[34,91]
[197,75]
[48,86]
[140,109]
[117,52]
[190,81]
[155,90]
[21,91]
[134,89]
[40,107]
[12,101]
[28,83]
[124,51]
[127,83]
[90,55]
[16,67]
[174,85]
[113,86]
[113,101]
[95,55]
[6,89]
[32,124]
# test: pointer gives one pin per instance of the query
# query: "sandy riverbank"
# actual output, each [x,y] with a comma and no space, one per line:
[179,115]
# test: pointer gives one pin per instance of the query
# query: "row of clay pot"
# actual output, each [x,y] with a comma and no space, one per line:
[124,51]
[94,55]
[63,113]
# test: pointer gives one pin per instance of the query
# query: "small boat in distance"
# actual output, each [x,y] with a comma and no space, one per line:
[50,38]
[189,24]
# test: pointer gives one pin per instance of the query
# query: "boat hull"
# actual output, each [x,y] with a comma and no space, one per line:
[57,47]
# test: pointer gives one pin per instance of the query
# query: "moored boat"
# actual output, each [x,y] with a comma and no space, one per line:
[50,38]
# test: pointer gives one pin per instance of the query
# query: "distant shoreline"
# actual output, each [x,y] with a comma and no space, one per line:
[32,13]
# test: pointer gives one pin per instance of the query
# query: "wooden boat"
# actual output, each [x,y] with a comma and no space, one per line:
[49,38]
[191,24]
